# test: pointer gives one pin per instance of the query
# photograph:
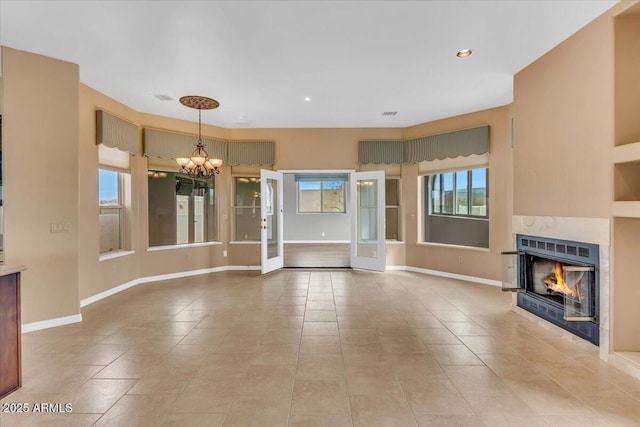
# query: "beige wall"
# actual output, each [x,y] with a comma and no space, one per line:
[40,161]
[83,275]
[470,262]
[564,115]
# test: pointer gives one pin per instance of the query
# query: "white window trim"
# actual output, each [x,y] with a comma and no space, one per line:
[115,254]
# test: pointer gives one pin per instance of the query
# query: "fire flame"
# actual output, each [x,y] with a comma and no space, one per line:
[556,283]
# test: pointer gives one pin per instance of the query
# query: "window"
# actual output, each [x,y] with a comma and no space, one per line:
[110,198]
[459,193]
[392,208]
[247,208]
[455,208]
[182,210]
[321,195]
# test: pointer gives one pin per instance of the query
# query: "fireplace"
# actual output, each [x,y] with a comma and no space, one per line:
[556,280]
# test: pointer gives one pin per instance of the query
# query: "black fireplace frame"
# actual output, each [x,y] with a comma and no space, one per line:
[576,253]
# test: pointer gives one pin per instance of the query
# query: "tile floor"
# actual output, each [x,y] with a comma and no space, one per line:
[316,348]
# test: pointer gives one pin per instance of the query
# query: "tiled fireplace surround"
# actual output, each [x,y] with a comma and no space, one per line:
[588,230]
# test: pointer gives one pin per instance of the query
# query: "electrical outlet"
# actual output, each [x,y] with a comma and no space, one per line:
[323,234]
[460,260]
[224,253]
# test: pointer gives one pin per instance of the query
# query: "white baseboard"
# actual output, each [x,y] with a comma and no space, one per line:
[625,364]
[243,267]
[449,275]
[51,323]
[158,278]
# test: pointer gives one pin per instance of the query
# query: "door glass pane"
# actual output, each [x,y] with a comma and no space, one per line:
[182,219]
[198,219]
[462,207]
[367,218]
[273,249]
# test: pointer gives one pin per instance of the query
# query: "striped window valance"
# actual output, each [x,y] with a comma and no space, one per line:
[376,152]
[251,153]
[447,145]
[435,147]
[171,145]
[115,132]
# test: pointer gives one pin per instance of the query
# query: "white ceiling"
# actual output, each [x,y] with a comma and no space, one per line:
[260,59]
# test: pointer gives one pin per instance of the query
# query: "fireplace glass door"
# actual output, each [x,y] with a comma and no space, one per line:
[512,280]
[582,306]
[571,286]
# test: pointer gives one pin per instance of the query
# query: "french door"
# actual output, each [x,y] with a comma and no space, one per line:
[367,220]
[271,231]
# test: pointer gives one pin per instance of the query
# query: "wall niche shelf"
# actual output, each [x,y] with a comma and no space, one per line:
[626,153]
[627,209]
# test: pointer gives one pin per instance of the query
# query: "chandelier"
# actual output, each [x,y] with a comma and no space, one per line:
[199,164]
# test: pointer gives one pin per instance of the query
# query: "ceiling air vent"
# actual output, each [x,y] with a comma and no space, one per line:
[389,113]
[163,97]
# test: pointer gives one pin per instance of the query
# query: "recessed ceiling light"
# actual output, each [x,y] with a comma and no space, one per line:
[464,53]
[307,98]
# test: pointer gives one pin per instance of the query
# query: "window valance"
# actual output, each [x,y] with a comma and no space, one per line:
[115,132]
[251,153]
[447,145]
[170,145]
[388,152]
[435,147]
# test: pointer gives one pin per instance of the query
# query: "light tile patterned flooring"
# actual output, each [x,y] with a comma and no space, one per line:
[316,348]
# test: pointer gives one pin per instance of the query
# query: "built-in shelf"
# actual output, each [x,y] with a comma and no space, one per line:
[626,153]
[626,209]
[625,162]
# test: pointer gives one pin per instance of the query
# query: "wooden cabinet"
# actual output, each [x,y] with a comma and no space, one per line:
[10,331]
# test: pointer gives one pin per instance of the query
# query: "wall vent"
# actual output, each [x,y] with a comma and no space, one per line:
[389,113]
